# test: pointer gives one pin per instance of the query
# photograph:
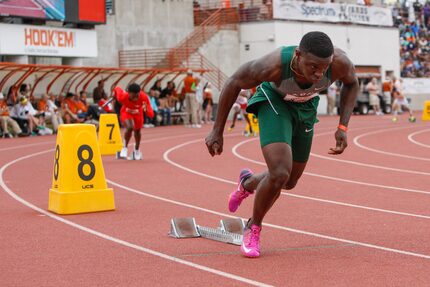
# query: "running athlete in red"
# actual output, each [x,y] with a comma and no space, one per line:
[134,103]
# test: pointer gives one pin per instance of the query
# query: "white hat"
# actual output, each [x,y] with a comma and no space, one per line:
[1,96]
[189,71]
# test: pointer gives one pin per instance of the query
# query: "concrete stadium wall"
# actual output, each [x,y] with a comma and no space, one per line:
[141,25]
[418,91]
[223,51]
[367,46]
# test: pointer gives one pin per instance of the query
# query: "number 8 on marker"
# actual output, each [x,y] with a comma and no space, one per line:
[86,161]
[57,163]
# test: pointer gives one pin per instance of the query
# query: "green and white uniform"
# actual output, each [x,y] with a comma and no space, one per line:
[287,113]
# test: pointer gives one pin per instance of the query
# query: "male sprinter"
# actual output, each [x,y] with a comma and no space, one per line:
[286,105]
[239,107]
[134,103]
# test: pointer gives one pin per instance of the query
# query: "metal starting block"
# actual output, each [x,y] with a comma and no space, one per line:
[230,230]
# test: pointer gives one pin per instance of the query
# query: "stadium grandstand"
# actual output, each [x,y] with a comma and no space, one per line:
[62,48]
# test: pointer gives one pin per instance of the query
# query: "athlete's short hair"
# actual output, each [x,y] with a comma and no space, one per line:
[317,43]
[134,88]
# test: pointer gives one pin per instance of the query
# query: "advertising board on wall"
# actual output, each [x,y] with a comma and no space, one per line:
[47,41]
[417,86]
[42,9]
[332,12]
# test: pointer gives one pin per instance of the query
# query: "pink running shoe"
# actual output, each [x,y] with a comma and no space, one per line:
[240,193]
[251,241]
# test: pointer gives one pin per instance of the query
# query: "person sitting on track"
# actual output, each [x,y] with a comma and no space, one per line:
[134,104]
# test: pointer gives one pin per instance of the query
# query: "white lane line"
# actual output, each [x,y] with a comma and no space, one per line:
[234,150]
[27,145]
[367,165]
[411,138]
[330,177]
[371,165]
[166,158]
[236,153]
[357,143]
[111,238]
[143,141]
[269,224]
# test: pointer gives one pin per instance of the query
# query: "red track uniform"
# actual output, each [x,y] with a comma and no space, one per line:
[133,110]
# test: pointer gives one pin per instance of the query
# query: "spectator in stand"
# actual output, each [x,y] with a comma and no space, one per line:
[12,96]
[26,116]
[92,110]
[169,92]
[191,103]
[164,112]
[161,110]
[208,104]
[99,92]
[201,86]
[426,15]
[387,89]
[414,35]
[417,9]
[33,101]
[47,106]
[151,122]
[59,101]
[157,92]
[52,104]
[332,93]
[72,111]
[372,88]
[24,89]
[156,87]
[6,120]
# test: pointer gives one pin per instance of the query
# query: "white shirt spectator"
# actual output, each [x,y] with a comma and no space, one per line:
[332,90]
[51,106]
[22,111]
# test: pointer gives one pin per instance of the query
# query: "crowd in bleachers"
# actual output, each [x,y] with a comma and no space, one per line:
[413,21]
[171,106]
[22,114]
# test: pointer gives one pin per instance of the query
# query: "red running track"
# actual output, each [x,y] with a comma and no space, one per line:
[360,219]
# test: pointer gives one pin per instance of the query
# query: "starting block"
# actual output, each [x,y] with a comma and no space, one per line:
[230,230]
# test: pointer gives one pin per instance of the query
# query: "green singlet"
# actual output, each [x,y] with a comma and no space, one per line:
[287,113]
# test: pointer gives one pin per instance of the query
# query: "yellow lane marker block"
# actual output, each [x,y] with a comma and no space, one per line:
[78,182]
[254,123]
[426,111]
[110,141]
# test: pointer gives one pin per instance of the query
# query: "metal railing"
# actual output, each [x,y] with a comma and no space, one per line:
[166,60]
[246,10]
[185,54]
